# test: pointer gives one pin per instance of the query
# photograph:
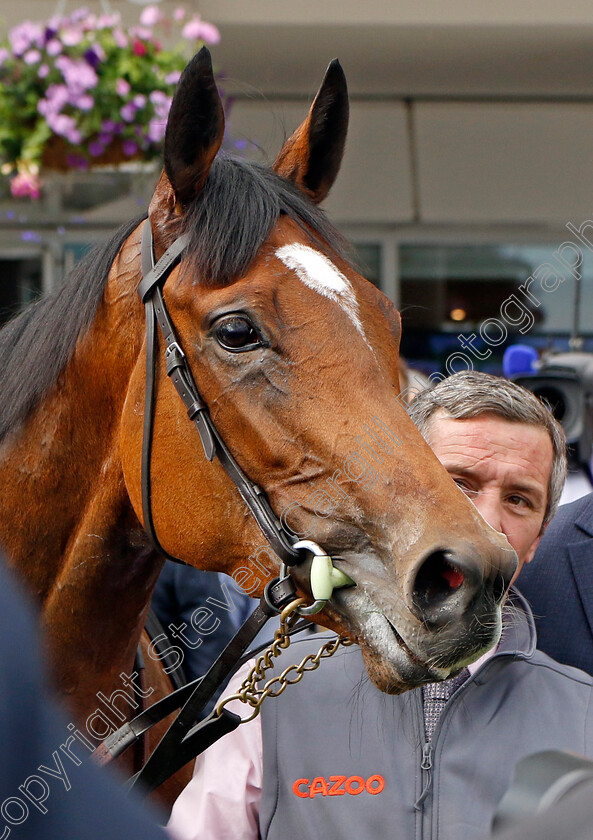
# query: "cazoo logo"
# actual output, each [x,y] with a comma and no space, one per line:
[337,786]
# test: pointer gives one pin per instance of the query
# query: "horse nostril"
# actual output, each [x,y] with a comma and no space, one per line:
[442,579]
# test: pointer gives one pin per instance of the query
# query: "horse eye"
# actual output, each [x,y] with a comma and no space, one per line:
[236,334]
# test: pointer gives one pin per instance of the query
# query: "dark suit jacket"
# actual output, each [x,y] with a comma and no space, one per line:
[46,792]
[558,583]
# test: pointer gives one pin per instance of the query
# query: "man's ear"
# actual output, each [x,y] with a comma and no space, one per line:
[532,549]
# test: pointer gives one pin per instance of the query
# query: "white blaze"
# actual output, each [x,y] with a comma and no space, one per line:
[320,274]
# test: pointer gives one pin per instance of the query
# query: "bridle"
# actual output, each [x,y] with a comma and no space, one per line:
[178,370]
[184,740]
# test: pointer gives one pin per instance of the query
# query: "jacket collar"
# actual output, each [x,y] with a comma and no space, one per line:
[585,519]
[518,628]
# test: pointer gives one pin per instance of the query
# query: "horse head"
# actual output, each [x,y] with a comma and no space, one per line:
[296,356]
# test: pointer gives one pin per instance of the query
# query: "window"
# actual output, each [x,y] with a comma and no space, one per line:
[448,290]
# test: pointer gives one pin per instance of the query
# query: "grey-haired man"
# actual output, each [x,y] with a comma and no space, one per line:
[333,757]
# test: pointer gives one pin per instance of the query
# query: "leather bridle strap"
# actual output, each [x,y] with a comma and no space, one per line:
[181,376]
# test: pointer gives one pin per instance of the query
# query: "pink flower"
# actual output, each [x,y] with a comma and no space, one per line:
[26,185]
[71,36]
[128,112]
[32,57]
[120,39]
[84,102]
[156,130]
[161,103]
[179,13]
[138,48]
[173,78]
[151,15]
[122,87]
[141,32]
[108,21]
[53,47]
[4,54]
[139,100]
[198,30]
[43,71]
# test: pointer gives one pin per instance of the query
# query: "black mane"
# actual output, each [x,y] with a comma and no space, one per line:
[228,222]
[36,346]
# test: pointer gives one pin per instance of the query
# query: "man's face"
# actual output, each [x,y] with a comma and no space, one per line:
[503,467]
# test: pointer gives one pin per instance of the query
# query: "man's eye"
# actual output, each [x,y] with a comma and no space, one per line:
[519,501]
[237,334]
[463,485]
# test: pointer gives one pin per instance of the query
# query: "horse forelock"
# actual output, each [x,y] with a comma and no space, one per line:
[234,215]
[36,346]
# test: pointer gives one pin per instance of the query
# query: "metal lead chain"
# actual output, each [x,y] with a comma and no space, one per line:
[254,695]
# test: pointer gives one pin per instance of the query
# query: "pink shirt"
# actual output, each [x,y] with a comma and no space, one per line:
[222,800]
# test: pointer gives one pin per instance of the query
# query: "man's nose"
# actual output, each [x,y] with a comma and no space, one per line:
[490,507]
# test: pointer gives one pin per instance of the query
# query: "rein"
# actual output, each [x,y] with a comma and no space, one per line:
[185,739]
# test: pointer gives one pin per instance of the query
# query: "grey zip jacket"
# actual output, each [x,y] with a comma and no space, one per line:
[343,760]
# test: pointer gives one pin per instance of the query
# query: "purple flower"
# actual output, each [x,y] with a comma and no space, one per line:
[139,100]
[77,162]
[4,54]
[108,126]
[32,57]
[129,147]
[78,75]
[105,138]
[30,235]
[128,112]
[95,55]
[198,30]
[43,71]
[65,126]
[122,87]
[53,47]
[56,97]
[173,78]
[150,16]
[96,148]
[24,36]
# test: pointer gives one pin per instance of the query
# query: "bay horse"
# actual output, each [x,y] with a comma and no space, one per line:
[295,356]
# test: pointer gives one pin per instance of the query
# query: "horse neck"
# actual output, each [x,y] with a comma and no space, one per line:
[68,526]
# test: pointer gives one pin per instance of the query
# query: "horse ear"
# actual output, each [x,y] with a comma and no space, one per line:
[311,157]
[195,128]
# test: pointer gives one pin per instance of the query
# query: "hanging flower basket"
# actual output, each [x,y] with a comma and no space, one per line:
[81,91]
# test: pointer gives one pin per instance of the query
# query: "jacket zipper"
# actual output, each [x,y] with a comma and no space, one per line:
[426,766]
